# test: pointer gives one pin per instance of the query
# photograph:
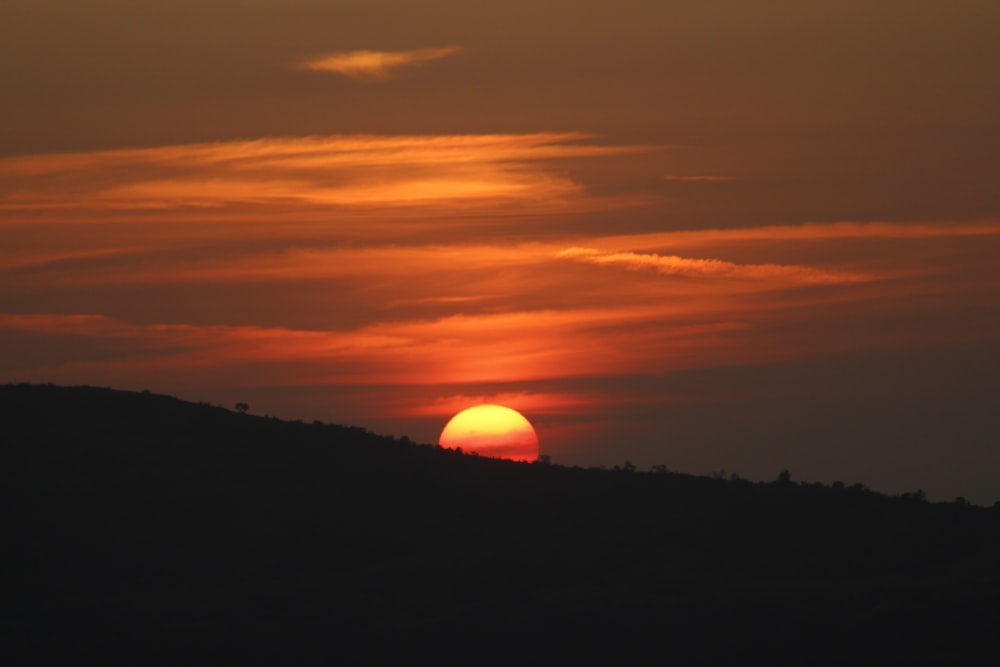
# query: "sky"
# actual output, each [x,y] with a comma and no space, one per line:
[714,235]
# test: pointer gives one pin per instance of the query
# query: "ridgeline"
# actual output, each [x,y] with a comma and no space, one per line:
[142,529]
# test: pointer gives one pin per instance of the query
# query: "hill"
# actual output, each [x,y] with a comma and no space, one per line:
[148,530]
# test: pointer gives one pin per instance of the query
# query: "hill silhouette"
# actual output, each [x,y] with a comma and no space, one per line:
[143,529]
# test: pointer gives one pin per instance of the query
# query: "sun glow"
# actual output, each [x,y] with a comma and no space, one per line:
[492,430]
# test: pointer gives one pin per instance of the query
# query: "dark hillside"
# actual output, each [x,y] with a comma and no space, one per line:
[143,529]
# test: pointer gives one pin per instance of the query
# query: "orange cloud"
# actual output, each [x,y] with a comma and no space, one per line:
[681,266]
[503,347]
[530,403]
[310,172]
[374,65]
[378,263]
[699,178]
[47,258]
[481,314]
[808,232]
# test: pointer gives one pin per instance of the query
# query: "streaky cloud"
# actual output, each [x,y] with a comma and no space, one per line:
[709,179]
[313,172]
[523,401]
[683,266]
[809,232]
[374,65]
[445,350]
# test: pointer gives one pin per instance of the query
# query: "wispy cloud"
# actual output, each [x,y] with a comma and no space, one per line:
[374,65]
[303,172]
[496,347]
[535,403]
[699,178]
[708,268]
[808,233]
[473,322]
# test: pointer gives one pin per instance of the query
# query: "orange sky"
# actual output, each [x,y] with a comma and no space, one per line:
[710,235]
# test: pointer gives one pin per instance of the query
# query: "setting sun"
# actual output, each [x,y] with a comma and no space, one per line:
[492,430]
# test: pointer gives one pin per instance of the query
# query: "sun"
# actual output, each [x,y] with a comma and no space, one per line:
[492,430]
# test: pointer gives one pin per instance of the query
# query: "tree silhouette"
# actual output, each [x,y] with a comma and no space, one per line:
[249,512]
[242,408]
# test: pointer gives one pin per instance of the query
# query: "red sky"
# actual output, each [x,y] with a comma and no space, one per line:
[750,236]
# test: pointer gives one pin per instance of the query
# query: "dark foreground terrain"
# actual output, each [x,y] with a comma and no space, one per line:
[140,529]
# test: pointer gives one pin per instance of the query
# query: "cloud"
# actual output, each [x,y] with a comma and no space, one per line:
[810,232]
[711,268]
[489,347]
[470,323]
[369,263]
[345,171]
[374,65]
[699,178]
[464,317]
[533,403]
